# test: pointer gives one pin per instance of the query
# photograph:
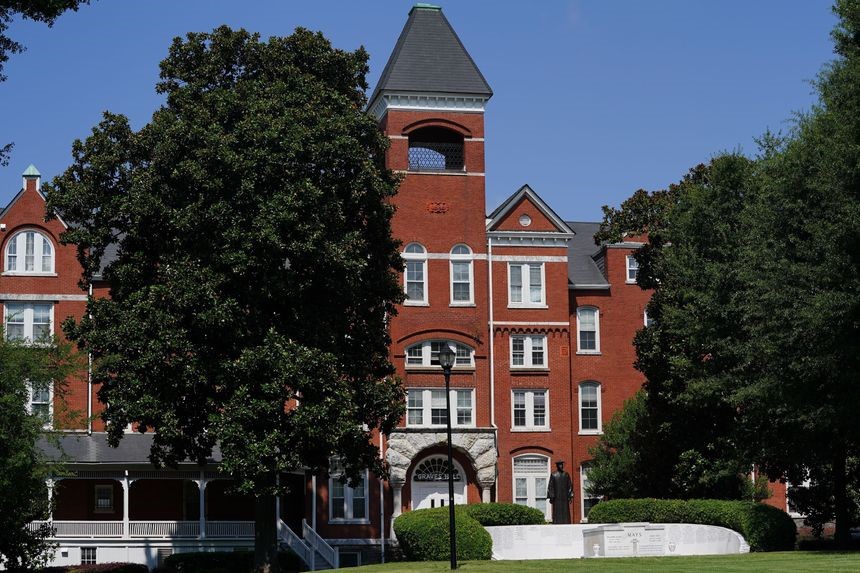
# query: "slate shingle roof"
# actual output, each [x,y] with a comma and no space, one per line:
[581,268]
[429,57]
[93,449]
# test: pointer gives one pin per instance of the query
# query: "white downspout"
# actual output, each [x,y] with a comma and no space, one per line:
[492,354]
[381,504]
[90,382]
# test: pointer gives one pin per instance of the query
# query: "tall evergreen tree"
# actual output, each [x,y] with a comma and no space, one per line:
[256,269]
[802,268]
[755,267]
[680,432]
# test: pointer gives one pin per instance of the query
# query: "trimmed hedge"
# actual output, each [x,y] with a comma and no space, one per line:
[226,562]
[99,568]
[765,528]
[489,514]
[423,535]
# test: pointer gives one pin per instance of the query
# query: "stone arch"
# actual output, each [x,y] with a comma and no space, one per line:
[478,447]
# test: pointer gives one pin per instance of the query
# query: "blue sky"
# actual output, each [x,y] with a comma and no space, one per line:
[593,98]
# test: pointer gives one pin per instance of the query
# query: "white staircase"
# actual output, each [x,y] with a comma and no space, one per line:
[312,549]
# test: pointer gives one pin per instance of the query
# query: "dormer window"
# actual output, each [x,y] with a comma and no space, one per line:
[29,252]
[436,149]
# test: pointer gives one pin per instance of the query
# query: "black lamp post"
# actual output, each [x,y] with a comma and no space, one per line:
[446,360]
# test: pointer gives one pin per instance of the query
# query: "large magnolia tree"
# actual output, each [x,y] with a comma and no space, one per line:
[255,269]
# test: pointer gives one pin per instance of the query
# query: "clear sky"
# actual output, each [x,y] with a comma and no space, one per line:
[593,98]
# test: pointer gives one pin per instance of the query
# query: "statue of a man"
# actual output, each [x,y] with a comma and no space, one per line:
[559,492]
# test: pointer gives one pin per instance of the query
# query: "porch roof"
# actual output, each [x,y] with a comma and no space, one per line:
[94,449]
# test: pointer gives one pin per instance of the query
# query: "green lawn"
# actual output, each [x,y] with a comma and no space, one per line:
[793,562]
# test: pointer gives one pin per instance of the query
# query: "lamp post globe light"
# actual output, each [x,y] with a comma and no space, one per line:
[446,360]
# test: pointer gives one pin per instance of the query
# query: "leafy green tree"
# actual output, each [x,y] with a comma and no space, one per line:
[255,271]
[678,436]
[24,468]
[46,11]
[802,268]
[755,356]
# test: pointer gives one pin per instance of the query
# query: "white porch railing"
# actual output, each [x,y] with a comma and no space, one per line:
[84,528]
[318,544]
[148,529]
[229,529]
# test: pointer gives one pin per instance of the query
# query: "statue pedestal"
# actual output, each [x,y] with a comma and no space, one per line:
[625,540]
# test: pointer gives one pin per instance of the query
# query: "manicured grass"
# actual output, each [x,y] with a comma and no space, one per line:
[794,562]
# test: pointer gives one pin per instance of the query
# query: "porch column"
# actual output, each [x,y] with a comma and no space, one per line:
[126,488]
[397,502]
[277,503]
[50,484]
[201,489]
[486,489]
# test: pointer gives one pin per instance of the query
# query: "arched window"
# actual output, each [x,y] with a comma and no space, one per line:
[29,252]
[588,330]
[415,277]
[590,408]
[436,149]
[531,474]
[462,283]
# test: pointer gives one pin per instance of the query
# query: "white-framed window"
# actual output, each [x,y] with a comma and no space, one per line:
[632,269]
[589,408]
[29,252]
[462,276]
[29,321]
[346,503]
[425,407]
[588,498]
[40,402]
[415,274]
[426,353]
[530,409]
[528,351]
[526,284]
[103,499]
[587,330]
[789,506]
[531,476]
[648,321]
[89,555]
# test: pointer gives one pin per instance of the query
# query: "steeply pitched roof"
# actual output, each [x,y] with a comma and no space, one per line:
[429,57]
[582,270]
[31,171]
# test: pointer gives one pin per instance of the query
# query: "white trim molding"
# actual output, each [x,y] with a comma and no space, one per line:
[43,297]
[386,100]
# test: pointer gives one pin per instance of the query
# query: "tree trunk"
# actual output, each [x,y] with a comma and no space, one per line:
[265,535]
[842,535]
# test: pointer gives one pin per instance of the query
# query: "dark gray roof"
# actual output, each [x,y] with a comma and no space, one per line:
[429,57]
[108,257]
[581,267]
[93,449]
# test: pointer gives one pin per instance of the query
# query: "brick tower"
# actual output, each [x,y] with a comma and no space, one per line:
[430,103]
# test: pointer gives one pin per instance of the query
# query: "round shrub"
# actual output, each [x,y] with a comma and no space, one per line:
[423,535]
[764,527]
[489,514]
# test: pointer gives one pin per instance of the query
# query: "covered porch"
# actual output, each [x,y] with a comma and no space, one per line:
[148,504]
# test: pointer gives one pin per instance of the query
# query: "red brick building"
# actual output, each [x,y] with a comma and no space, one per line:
[541,320]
